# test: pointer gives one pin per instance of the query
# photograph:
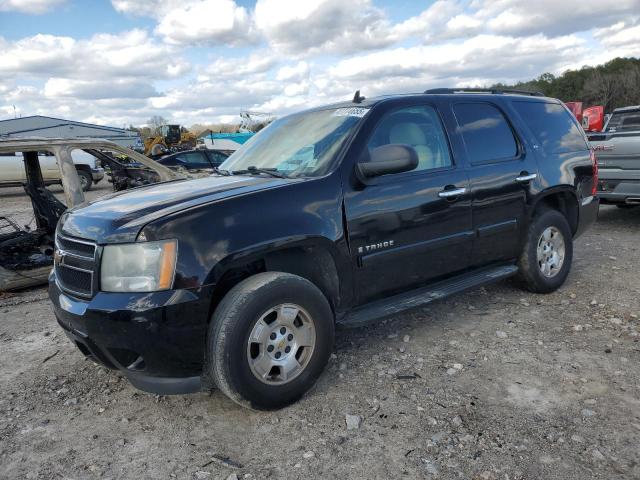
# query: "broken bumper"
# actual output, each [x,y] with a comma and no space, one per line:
[156,340]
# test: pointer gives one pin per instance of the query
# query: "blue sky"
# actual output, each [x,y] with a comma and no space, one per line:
[203,61]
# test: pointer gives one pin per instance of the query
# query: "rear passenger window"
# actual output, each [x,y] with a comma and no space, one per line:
[486,133]
[552,125]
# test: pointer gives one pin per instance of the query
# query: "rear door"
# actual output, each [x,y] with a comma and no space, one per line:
[502,173]
[11,168]
[409,229]
[48,166]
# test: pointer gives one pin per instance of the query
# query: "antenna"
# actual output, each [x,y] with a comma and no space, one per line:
[357,98]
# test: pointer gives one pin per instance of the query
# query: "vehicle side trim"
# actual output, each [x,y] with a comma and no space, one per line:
[416,248]
[507,226]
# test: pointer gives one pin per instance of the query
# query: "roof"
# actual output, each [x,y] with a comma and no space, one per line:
[239,137]
[62,122]
[439,93]
[26,144]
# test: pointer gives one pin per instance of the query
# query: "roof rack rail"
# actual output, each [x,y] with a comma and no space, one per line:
[495,91]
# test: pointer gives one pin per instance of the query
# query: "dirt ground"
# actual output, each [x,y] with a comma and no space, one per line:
[494,384]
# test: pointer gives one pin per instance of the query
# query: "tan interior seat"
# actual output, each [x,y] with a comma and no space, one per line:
[409,133]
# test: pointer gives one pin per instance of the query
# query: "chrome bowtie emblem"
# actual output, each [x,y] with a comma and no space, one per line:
[58,258]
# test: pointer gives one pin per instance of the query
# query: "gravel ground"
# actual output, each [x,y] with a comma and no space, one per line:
[494,384]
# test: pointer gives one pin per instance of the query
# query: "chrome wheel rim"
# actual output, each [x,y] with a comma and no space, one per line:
[281,344]
[550,252]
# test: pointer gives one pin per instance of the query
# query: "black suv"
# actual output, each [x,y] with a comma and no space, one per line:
[337,215]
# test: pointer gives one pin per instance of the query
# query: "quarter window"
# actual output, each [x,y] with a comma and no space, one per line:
[552,125]
[486,132]
[418,127]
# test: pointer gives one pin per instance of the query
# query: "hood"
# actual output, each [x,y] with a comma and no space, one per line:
[119,217]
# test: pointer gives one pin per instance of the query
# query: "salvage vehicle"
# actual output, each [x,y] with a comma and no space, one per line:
[26,255]
[618,147]
[339,215]
[13,172]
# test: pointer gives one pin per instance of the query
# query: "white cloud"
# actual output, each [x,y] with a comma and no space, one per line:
[619,34]
[495,58]
[293,26]
[99,89]
[293,72]
[206,22]
[128,54]
[257,63]
[33,7]
[148,8]
[299,54]
[549,17]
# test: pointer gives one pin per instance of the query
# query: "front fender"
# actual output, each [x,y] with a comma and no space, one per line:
[215,237]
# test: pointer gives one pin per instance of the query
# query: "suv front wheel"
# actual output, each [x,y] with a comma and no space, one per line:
[546,258]
[269,340]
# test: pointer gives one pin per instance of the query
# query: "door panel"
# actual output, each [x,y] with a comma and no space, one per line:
[402,232]
[498,169]
[49,167]
[11,168]
[499,210]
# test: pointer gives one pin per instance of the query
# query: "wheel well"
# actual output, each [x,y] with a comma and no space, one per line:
[314,264]
[565,203]
[82,167]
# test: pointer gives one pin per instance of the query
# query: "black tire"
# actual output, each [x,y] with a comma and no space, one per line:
[227,358]
[85,179]
[529,269]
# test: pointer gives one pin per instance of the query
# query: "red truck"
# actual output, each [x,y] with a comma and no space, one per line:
[592,118]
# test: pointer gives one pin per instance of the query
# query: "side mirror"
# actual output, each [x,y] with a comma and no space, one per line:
[388,159]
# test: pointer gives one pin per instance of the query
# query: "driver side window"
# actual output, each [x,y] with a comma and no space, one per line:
[418,127]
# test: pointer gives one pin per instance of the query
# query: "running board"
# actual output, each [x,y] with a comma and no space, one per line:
[417,298]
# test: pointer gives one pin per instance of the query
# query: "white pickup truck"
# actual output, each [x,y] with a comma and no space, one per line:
[12,172]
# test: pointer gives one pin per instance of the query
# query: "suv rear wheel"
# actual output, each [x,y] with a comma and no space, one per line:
[269,340]
[546,259]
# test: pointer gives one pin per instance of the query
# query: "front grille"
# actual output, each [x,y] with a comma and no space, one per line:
[75,265]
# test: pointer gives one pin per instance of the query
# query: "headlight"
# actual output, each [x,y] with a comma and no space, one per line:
[138,267]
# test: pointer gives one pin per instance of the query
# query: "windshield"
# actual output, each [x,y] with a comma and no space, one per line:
[300,145]
[624,121]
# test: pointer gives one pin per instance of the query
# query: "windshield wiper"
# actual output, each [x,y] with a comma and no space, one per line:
[268,171]
[225,173]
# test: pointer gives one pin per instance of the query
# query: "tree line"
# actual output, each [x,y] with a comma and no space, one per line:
[614,84]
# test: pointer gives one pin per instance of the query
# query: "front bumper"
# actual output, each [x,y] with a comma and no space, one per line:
[157,340]
[97,174]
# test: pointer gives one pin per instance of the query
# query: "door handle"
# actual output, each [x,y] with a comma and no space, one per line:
[527,177]
[456,192]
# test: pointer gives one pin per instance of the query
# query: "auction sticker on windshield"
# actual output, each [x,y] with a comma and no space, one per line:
[350,112]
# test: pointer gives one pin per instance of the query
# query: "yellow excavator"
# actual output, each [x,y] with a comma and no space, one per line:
[172,137]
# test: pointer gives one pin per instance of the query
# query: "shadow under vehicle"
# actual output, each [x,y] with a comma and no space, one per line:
[26,255]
